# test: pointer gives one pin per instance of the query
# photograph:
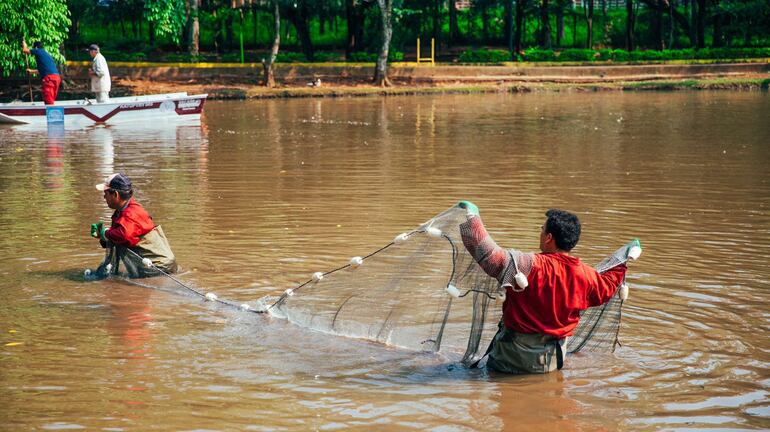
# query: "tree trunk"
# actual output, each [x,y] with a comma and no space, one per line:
[355,17]
[589,14]
[693,23]
[508,21]
[520,8]
[218,32]
[454,28]
[267,64]
[657,25]
[559,22]
[545,26]
[254,23]
[381,70]
[437,22]
[604,21]
[630,20]
[574,28]
[718,42]
[193,28]
[229,30]
[299,17]
[701,24]
[671,27]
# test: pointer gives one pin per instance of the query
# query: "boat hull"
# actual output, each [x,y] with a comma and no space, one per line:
[172,106]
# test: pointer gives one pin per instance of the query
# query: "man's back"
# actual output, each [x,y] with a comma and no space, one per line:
[559,287]
[45,63]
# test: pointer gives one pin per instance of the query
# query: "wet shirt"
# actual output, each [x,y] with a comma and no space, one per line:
[129,224]
[560,286]
[45,63]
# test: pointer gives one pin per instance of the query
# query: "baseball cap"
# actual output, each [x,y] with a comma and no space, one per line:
[93,47]
[116,181]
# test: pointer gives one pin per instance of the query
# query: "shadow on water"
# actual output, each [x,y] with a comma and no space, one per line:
[72,275]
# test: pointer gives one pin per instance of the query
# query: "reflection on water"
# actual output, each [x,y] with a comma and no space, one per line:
[265,193]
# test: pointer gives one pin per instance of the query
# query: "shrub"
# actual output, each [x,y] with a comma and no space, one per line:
[327,57]
[289,57]
[365,57]
[485,56]
[536,55]
[576,54]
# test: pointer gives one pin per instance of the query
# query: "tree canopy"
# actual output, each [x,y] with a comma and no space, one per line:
[46,21]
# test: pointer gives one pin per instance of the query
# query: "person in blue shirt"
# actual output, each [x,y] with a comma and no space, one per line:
[46,68]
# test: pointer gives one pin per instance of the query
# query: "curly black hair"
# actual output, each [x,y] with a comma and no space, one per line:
[564,227]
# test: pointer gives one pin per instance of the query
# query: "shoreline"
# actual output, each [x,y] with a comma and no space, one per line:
[236,81]
[238,91]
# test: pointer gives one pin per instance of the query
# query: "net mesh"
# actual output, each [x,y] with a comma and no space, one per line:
[398,296]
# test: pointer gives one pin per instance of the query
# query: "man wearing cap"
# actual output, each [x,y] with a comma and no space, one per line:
[100,75]
[46,68]
[133,235]
[545,292]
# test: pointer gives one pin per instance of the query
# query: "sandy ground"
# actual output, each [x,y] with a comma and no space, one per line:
[249,91]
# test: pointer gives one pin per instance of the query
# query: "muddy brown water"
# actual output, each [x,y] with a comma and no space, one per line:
[264,193]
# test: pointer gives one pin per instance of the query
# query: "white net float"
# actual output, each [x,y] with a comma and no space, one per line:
[356,261]
[289,292]
[400,238]
[245,306]
[453,291]
[434,232]
[317,276]
[87,272]
[521,280]
[624,292]
[147,262]
[635,252]
[211,296]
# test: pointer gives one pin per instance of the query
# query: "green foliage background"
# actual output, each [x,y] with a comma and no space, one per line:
[155,30]
[36,20]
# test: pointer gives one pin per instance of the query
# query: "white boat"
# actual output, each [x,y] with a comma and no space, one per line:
[85,112]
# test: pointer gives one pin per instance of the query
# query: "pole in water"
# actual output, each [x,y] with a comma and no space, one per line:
[29,78]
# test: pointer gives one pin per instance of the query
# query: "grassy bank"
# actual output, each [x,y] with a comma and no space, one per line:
[240,88]
[256,92]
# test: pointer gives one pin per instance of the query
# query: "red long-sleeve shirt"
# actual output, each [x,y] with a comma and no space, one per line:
[560,286]
[129,224]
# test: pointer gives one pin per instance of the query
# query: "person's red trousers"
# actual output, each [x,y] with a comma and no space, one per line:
[51,85]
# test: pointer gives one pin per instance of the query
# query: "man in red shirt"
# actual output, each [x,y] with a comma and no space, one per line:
[545,292]
[133,233]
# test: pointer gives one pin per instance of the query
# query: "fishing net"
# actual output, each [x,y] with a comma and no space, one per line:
[423,291]
[401,295]
[122,261]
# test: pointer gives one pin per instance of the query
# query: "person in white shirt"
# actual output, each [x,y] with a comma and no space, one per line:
[100,75]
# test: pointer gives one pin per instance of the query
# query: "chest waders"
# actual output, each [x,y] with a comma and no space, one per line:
[153,246]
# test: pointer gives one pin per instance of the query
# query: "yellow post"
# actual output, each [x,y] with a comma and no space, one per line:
[432,52]
[432,58]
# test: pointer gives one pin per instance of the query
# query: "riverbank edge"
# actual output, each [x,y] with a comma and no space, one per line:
[223,81]
[242,92]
